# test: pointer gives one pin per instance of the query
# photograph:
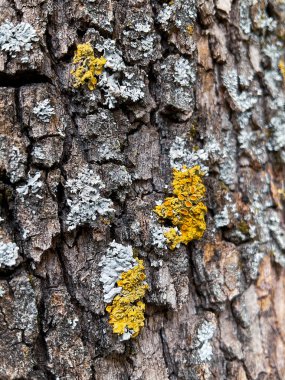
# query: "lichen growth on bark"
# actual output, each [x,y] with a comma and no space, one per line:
[281,66]
[127,308]
[185,209]
[87,66]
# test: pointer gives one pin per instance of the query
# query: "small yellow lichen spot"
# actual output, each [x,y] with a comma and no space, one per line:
[281,66]
[127,309]
[185,209]
[190,29]
[87,66]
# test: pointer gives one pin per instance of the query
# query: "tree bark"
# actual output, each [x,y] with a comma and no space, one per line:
[200,82]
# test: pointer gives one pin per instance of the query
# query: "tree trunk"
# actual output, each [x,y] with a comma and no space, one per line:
[186,82]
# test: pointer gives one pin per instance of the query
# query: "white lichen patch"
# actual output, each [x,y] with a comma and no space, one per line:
[240,100]
[261,19]
[16,161]
[109,150]
[204,335]
[222,219]
[147,45]
[73,322]
[276,102]
[8,254]
[158,231]
[179,14]
[2,292]
[118,259]
[33,185]
[229,212]
[277,137]
[157,235]
[38,153]
[277,229]
[184,72]
[165,14]
[131,88]
[118,82]
[44,111]
[180,155]
[112,54]
[244,15]
[111,88]
[17,38]
[85,200]
[143,26]
[120,177]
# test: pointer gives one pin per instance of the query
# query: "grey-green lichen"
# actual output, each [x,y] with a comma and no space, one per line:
[9,253]
[44,111]
[17,38]
[85,200]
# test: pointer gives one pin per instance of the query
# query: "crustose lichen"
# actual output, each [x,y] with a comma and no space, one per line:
[87,66]
[185,209]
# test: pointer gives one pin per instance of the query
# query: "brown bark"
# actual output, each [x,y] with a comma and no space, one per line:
[214,309]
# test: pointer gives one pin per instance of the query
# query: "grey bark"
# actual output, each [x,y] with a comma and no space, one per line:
[216,308]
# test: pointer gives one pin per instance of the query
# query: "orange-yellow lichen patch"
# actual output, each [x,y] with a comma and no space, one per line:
[127,308]
[185,209]
[87,66]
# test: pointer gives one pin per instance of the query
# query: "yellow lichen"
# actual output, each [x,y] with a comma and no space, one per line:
[281,66]
[127,309]
[190,29]
[87,66]
[185,209]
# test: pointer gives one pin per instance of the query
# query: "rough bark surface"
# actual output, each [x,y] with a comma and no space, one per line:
[212,77]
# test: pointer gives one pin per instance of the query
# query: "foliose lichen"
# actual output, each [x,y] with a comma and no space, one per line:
[180,155]
[15,161]
[85,200]
[184,72]
[130,88]
[204,335]
[33,185]
[8,254]
[118,259]
[124,285]
[87,66]
[112,54]
[165,14]
[185,209]
[44,111]
[177,14]
[240,101]
[2,292]
[158,235]
[17,38]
